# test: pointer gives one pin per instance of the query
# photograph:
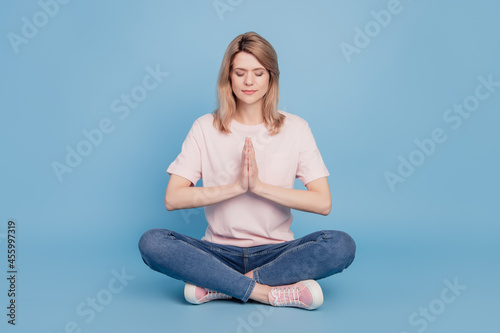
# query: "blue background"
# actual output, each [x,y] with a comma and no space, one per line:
[440,224]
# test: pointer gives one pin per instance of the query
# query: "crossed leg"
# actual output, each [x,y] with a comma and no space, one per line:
[314,256]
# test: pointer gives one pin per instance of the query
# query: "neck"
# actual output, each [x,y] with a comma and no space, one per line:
[249,114]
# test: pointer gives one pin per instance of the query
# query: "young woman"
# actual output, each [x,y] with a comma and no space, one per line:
[249,153]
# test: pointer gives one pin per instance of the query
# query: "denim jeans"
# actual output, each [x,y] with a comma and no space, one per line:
[221,267]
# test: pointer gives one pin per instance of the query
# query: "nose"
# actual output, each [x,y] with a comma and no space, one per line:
[248,79]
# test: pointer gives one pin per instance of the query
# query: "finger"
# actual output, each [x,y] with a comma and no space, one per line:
[252,153]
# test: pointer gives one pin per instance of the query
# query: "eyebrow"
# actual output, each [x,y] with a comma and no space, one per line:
[243,69]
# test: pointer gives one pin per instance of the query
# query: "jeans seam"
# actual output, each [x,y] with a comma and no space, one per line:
[206,253]
[252,282]
[224,251]
[312,242]
[256,275]
[263,252]
[325,234]
[245,265]
[170,234]
[249,291]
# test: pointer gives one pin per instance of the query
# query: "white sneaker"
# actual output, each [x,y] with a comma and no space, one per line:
[197,295]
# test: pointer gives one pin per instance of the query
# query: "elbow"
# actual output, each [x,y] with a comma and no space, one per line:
[326,208]
[168,204]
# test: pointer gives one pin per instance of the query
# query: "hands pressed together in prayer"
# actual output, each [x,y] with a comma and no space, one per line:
[249,172]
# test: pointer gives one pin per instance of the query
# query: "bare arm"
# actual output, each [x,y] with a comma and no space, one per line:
[316,199]
[182,194]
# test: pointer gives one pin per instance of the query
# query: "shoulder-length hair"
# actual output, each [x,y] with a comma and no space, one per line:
[261,49]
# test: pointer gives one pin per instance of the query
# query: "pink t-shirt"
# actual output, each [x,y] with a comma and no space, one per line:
[247,219]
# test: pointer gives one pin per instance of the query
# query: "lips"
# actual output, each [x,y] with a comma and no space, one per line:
[249,92]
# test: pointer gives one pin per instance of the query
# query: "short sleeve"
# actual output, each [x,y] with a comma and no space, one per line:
[188,162]
[310,165]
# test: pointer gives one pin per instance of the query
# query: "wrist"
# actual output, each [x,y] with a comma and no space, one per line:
[258,188]
[238,189]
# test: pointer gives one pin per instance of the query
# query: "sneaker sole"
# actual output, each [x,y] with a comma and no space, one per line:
[316,292]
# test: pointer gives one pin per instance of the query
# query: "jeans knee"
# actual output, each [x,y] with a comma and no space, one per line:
[348,244]
[150,240]
[342,245]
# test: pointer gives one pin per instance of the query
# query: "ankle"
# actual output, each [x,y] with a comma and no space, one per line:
[260,293]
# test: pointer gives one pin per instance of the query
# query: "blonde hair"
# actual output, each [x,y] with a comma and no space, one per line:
[261,49]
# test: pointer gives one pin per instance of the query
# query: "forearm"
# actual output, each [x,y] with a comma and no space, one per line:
[193,197]
[304,200]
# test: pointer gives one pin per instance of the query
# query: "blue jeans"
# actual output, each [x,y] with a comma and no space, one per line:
[221,267]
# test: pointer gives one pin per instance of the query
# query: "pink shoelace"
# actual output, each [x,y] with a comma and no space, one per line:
[211,294]
[284,296]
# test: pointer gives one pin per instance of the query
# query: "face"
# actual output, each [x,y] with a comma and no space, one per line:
[249,79]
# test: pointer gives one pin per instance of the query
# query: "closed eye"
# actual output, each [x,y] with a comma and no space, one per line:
[256,74]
